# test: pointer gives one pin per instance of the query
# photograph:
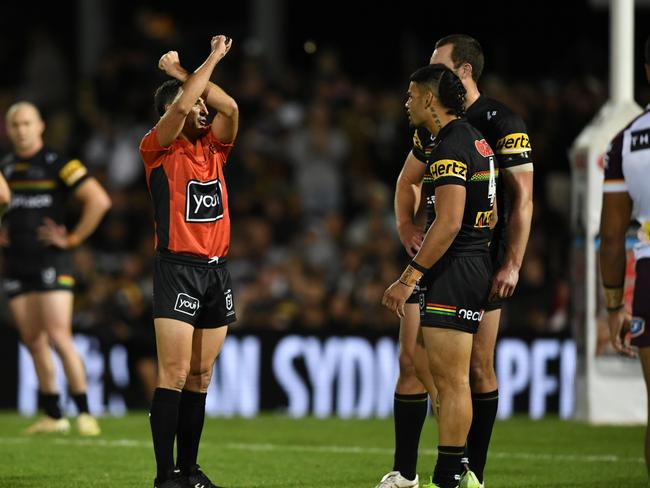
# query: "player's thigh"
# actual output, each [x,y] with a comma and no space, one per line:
[449,352]
[485,338]
[206,345]
[26,317]
[55,310]
[173,344]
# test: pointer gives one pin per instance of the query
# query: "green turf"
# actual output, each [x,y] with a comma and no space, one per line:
[273,451]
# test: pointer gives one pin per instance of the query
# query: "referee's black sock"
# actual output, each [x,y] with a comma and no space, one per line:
[409,413]
[50,404]
[484,407]
[163,418]
[191,414]
[81,401]
[448,467]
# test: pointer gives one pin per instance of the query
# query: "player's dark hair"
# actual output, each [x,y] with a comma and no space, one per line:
[647,51]
[466,49]
[447,86]
[165,94]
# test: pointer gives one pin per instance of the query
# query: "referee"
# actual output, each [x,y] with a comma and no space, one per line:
[184,156]
[626,196]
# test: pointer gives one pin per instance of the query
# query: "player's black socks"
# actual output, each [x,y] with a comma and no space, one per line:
[448,467]
[478,440]
[81,401]
[164,419]
[50,404]
[409,412]
[191,414]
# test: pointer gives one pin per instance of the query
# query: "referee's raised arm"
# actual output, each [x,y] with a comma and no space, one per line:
[171,123]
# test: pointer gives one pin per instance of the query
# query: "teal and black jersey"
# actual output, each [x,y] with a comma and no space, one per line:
[459,155]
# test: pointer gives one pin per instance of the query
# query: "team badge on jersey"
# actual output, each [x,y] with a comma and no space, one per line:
[203,201]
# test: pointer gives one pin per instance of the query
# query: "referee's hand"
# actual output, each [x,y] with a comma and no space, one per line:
[619,324]
[395,297]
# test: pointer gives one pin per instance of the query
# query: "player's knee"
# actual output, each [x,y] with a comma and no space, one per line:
[406,364]
[450,381]
[200,379]
[481,371]
[173,375]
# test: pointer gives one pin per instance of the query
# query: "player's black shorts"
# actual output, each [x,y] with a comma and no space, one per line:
[192,290]
[454,292]
[415,295]
[641,304]
[37,275]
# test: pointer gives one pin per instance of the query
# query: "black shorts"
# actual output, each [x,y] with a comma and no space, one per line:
[192,290]
[641,305]
[23,276]
[454,292]
[415,295]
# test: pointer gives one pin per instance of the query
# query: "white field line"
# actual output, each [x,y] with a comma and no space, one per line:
[242,446]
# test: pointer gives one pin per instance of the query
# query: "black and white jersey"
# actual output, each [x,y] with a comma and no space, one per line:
[40,187]
[627,169]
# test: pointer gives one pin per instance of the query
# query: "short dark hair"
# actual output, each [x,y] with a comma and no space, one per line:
[647,51]
[466,49]
[447,86]
[165,94]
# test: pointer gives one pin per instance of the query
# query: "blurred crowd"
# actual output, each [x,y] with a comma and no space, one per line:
[311,183]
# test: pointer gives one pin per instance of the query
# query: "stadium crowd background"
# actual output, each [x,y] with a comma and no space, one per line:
[320,146]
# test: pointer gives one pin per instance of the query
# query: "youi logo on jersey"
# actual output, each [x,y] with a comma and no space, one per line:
[203,201]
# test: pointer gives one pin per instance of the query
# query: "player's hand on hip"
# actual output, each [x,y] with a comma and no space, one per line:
[52,234]
[504,282]
[395,297]
[411,236]
[170,63]
[619,324]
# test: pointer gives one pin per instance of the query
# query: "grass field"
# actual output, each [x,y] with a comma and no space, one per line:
[273,451]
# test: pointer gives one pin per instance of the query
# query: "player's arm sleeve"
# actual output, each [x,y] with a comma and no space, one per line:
[449,168]
[151,150]
[513,149]
[614,179]
[418,147]
[223,148]
[71,172]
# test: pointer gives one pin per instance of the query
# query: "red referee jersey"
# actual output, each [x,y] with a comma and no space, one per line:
[189,194]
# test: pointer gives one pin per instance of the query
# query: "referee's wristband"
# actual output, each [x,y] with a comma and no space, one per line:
[613,297]
[415,265]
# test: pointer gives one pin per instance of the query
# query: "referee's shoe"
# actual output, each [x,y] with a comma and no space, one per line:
[176,480]
[198,479]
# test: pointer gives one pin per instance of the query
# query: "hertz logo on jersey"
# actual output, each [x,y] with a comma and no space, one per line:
[513,144]
[72,172]
[448,167]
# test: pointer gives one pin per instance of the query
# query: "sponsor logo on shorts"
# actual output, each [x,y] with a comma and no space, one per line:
[203,201]
[439,309]
[48,276]
[448,167]
[467,314]
[637,327]
[187,304]
[513,144]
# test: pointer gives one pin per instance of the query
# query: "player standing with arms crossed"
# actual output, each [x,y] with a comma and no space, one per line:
[184,156]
